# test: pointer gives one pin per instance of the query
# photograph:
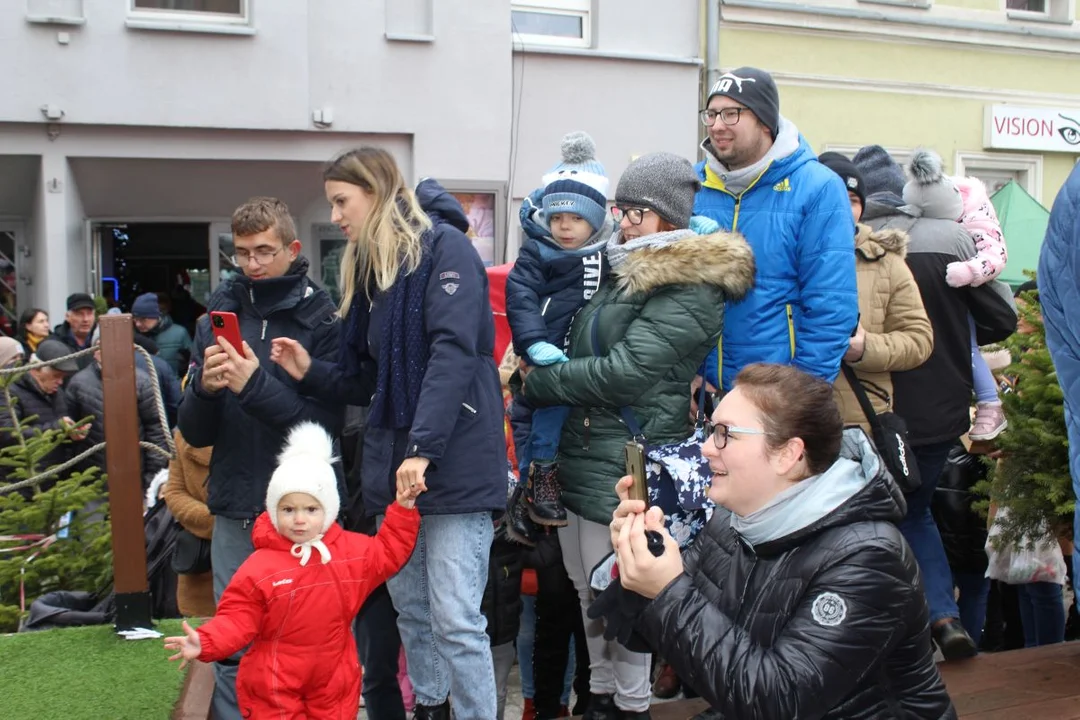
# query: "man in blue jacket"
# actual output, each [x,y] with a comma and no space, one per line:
[1059,294]
[242,404]
[761,178]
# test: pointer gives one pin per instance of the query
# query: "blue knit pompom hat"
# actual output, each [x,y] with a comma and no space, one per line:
[579,184]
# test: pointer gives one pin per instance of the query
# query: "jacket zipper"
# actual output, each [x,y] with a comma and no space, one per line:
[263,331]
[587,423]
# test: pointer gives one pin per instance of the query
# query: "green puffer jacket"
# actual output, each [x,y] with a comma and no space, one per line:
[659,315]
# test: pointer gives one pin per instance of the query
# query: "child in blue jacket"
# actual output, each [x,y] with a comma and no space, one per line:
[559,267]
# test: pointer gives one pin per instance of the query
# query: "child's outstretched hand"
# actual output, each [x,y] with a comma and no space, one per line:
[189,645]
[406,495]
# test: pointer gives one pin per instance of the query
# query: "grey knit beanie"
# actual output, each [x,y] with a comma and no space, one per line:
[663,182]
[880,172]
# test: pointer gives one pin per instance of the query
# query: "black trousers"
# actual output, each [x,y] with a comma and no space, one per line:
[558,618]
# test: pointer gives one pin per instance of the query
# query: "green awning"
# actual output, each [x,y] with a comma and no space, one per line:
[1023,222]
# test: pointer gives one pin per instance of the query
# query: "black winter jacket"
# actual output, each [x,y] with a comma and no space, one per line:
[935,397]
[548,285]
[86,396]
[828,622]
[963,531]
[47,409]
[501,604]
[247,430]
[458,423]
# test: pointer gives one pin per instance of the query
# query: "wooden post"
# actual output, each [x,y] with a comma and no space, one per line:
[123,463]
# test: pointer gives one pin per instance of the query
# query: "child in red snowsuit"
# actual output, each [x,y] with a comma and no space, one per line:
[298,614]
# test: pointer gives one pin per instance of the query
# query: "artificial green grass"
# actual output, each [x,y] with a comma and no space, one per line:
[88,673]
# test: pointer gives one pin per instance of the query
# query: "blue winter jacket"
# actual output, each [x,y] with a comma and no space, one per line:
[1059,294]
[804,304]
[548,284]
[458,424]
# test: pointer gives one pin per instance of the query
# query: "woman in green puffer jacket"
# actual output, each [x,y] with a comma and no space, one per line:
[657,317]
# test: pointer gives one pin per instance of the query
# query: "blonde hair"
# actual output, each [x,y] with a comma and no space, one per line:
[389,241]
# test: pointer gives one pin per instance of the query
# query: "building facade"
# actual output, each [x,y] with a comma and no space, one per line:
[993,85]
[130,129]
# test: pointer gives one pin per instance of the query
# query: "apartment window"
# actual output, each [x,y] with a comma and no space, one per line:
[552,22]
[997,169]
[901,156]
[203,10]
[1035,6]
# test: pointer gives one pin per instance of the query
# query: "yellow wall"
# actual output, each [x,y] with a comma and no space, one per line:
[844,116]
[991,5]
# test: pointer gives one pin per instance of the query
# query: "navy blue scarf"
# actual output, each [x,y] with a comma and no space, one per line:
[403,345]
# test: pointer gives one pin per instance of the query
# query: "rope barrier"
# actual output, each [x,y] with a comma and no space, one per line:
[159,404]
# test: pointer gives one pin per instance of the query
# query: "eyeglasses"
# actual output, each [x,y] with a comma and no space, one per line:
[728,116]
[634,214]
[262,257]
[721,433]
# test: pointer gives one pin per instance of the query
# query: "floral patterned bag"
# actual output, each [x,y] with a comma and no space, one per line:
[678,474]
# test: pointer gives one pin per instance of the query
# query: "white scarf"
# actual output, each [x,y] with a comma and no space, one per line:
[303,550]
[617,250]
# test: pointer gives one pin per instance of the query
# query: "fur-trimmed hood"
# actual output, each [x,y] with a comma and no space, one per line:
[722,259]
[873,244]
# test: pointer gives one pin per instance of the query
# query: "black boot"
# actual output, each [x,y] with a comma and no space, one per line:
[953,640]
[519,526]
[542,492]
[601,707]
[633,715]
[429,712]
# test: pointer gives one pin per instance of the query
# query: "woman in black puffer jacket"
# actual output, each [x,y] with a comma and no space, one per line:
[803,602]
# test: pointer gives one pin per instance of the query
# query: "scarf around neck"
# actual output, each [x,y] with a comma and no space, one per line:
[618,251]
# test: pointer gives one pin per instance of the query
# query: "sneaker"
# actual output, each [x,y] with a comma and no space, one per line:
[989,421]
[528,712]
[543,493]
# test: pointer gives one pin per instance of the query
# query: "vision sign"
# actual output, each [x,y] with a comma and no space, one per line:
[1008,127]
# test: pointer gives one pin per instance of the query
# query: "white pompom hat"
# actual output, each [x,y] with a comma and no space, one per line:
[306,465]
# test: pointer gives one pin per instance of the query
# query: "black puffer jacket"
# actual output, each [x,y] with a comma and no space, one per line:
[827,622]
[963,531]
[248,429]
[47,410]
[86,397]
[501,604]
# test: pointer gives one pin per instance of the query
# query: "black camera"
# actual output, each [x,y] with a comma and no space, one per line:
[218,321]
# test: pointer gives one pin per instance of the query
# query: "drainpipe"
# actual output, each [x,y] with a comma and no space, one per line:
[712,44]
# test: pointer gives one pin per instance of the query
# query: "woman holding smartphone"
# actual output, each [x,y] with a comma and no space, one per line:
[418,345]
[637,343]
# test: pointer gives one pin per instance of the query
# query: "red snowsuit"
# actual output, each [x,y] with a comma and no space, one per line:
[303,661]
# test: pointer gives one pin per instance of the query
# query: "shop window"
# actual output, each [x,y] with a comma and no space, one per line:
[996,170]
[1044,10]
[552,22]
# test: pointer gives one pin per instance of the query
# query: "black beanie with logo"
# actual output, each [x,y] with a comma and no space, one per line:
[756,90]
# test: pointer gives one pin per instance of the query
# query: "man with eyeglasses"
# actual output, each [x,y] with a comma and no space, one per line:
[242,404]
[761,178]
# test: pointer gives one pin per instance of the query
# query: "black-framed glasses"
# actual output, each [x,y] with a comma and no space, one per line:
[722,432]
[634,214]
[728,116]
[241,258]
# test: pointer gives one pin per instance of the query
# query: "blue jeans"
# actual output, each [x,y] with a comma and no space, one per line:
[1042,611]
[229,548]
[974,590]
[437,596]
[543,446]
[525,641]
[922,534]
[986,389]
[378,644]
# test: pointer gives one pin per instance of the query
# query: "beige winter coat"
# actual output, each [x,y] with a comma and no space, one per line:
[898,332]
[185,494]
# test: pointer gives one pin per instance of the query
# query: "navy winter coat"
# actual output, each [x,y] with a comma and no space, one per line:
[247,430]
[458,424]
[548,285]
[1059,294]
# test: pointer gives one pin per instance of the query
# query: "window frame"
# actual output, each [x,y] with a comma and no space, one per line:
[582,9]
[900,155]
[189,17]
[1030,166]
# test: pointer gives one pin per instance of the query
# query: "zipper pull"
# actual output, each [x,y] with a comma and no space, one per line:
[263,331]
[587,423]
[251,294]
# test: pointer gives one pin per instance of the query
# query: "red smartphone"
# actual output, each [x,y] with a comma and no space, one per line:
[225,325]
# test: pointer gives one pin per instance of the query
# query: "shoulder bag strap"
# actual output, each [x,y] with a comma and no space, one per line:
[860,394]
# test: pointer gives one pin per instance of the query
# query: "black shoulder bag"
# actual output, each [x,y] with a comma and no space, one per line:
[890,436]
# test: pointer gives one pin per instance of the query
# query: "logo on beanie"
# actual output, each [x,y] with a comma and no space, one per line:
[853,183]
[723,85]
